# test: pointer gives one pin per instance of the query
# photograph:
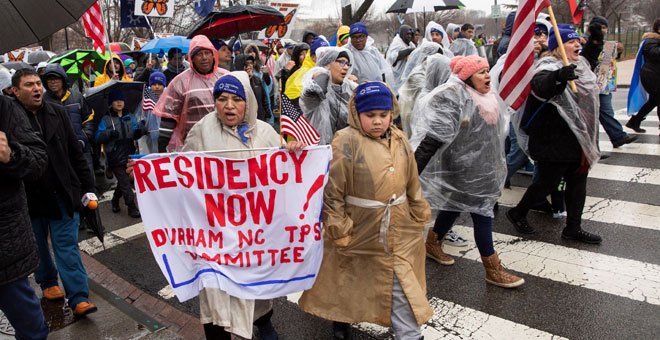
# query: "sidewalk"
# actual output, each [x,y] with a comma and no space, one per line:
[125,312]
[624,72]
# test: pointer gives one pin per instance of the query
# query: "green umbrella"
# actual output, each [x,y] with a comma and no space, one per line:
[74,60]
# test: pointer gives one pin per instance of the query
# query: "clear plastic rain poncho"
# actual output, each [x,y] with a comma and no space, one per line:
[579,111]
[467,173]
[397,46]
[445,37]
[369,64]
[326,109]
[436,72]
[464,47]
[414,80]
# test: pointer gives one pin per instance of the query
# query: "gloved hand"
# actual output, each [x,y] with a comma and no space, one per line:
[567,73]
[114,134]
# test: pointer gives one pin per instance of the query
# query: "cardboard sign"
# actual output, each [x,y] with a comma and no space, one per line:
[250,227]
[284,29]
[21,54]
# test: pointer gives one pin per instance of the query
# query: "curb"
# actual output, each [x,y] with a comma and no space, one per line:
[139,305]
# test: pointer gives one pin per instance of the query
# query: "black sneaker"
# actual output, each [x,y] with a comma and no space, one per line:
[544,207]
[635,127]
[520,224]
[133,212]
[629,139]
[581,235]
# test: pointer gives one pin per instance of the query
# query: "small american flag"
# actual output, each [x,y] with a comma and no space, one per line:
[296,125]
[148,99]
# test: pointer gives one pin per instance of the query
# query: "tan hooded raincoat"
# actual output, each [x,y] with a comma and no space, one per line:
[355,282]
[209,134]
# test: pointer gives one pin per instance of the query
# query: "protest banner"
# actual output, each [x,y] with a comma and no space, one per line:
[284,29]
[250,227]
[21,54]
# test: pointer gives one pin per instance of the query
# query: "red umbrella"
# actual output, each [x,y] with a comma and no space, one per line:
[234,20]
[118,47]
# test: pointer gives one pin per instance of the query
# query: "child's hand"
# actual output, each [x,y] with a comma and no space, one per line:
[343,242]
[129,167]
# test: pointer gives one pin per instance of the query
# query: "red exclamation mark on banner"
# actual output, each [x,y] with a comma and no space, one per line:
[318,183]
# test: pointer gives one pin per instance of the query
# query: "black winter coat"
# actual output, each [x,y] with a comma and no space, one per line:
[550,137]
[650,74]
[68,174]
[18,248]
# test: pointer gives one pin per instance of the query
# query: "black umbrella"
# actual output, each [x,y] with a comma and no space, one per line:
[25,22]
[16,65]
[234,20]
[418,6]
[92,220]
[97,97]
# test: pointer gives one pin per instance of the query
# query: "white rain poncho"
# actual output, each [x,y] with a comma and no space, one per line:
[579,111]
[326,109]
[464,47]
[369,64]
[397,46]
[436,73]
[414,81]
[467,173]
[445,37]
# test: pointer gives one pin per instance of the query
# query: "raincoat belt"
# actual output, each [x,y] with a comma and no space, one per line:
[385,221]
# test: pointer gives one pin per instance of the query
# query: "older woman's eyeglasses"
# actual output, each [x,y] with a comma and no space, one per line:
[343,63]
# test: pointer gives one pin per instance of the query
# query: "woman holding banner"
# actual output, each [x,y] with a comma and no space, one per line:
[234,127]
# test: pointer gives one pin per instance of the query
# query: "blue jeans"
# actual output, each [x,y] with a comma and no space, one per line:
[483,229]
[612,126]
[516,158]
[64,238]
[23,310]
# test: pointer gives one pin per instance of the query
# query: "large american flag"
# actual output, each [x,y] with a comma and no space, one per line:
[94,28]
[519,65]
[293,123]
[148,99]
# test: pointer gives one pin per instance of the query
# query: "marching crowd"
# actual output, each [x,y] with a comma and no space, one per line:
[416,130]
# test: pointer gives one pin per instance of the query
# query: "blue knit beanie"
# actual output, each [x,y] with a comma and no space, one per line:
[358,27]
[229,84]
[157,78]
[566,34]
[437,31]
[316,43]
[116,95]
[372,96]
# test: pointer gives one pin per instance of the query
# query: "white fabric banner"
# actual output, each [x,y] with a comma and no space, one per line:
[250,227]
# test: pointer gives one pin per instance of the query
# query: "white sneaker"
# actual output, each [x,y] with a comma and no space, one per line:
[453,239]
[559,214]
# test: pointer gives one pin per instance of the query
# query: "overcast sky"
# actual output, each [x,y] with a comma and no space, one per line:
[325,8]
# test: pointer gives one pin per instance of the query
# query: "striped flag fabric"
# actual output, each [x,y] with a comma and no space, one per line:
[293,123]
[94,29]
[148,99]
[577,9]
[518,68]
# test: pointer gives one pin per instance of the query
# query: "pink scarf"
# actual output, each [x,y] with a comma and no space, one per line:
[489,108]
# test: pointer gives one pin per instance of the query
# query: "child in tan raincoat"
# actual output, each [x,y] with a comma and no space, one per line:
[374,215]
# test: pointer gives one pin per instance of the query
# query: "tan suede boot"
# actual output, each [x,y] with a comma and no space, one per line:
[434,250]
[497,275]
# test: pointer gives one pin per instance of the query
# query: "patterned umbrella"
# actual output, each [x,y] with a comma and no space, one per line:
[74,62]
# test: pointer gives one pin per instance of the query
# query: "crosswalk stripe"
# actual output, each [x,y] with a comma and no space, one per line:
[604,273]
[650,130]
[632,148]
[625,173]
[459,322]
[605,210]
[622,116]
[92,245]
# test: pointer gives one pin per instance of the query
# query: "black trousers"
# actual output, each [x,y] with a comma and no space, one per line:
[549,177]
[123,186]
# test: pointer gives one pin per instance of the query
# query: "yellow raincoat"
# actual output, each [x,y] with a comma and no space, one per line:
[294,84]
[105,76]
[355,282]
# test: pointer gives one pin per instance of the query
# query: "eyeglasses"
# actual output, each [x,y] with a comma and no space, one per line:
[358,37]
[344,63]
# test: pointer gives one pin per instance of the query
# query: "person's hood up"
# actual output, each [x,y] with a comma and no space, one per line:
[452,27]
[306,33]
[202,42]
[326,55]
[251,105]
[5,79]
[508,28]
[427,33]
[354,119]
[405,29]
[437,71]
[297,50]
[122,69]
[58,71]
[342,31]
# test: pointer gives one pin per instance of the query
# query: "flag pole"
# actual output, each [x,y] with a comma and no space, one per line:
[280,112]
[560,43]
